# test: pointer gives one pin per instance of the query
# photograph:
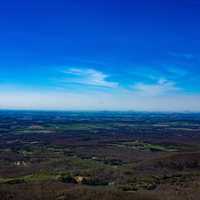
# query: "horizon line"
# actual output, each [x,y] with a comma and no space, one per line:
[92,111]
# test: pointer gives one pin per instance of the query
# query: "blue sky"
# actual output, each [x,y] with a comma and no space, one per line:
[100,55]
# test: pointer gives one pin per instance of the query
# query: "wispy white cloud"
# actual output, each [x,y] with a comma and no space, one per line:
[161,87]
[148,93]
[89,77]
[182,55]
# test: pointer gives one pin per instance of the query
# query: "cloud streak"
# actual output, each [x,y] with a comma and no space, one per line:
[162,87]
[90,77]
[182,55]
